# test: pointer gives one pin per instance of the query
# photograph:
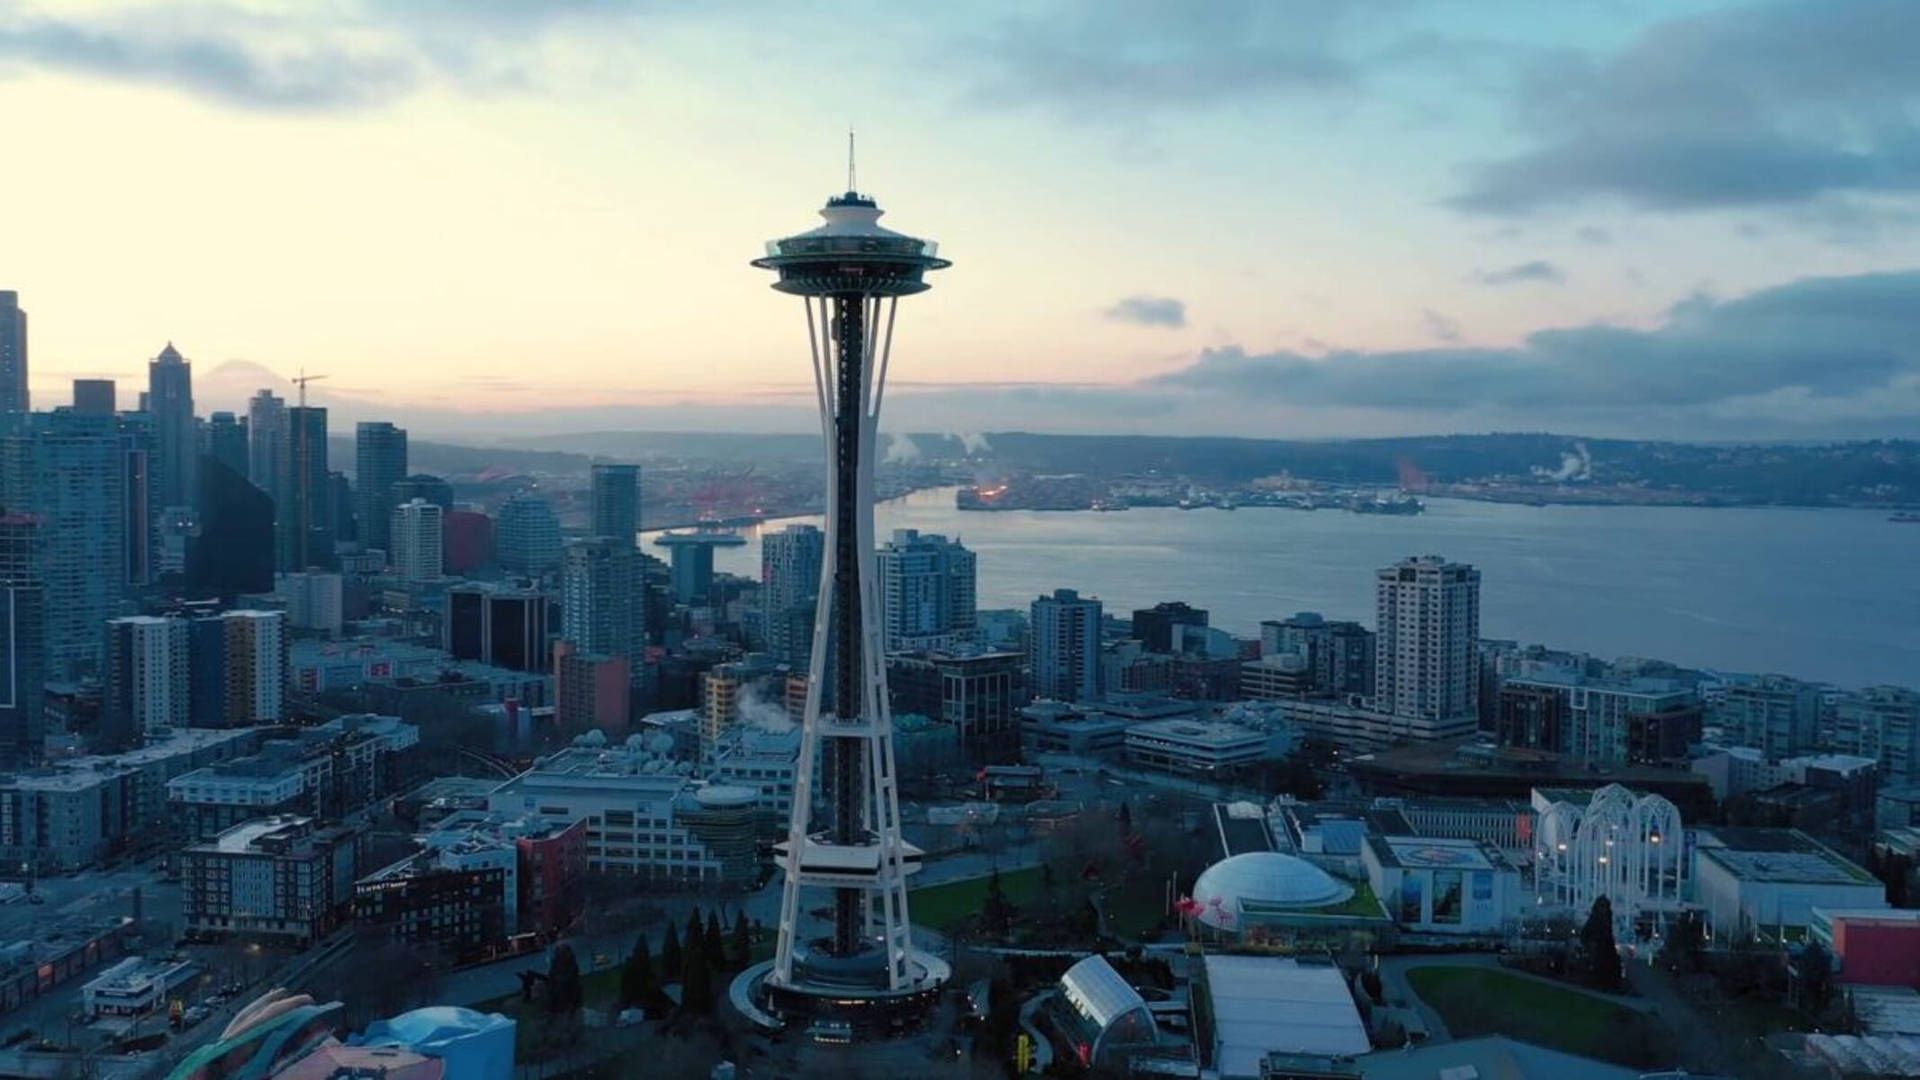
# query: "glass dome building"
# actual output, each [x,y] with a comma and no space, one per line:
[1236,890]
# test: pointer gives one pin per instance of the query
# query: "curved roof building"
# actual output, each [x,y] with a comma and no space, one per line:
[1263,881]
[1104,1012]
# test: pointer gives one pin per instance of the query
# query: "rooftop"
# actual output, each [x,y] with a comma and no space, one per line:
[1781,856]
[1196,732]
[1487,1058]
[1435,852]
[1261,1004]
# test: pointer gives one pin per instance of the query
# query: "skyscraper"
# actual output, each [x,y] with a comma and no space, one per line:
[416,530]
[1063,646]
[527,535]
[789,587]
[23,645]
[148,679]
[309,538]
[380,462]
[1428,623]
[13,354]
[94,397]
[70,471]
[602,605]
[176,446]
[237,669]
[615,502]
[927,587]
[138,512]
[865,974]
[270,466]
[233,551]
[227,441]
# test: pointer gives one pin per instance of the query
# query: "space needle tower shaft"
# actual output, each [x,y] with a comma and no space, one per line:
[850,274]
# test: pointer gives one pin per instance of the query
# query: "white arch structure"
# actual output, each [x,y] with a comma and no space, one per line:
[1628,848]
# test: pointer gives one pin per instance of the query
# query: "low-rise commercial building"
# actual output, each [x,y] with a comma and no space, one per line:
[1768,881]
[135,986]
[645,816]
[1439,886]
[1196,746]
[542,860]
[278,878]
[327,771]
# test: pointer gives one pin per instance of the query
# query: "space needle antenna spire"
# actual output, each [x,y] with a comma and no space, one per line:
[850,185]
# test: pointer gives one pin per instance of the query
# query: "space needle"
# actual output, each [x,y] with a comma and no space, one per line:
[859,977]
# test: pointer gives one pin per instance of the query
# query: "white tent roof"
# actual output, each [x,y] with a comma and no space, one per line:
[1262,1004]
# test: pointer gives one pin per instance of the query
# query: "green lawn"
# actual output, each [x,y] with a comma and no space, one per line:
[1136,908]
[1486,1001]
[944,905]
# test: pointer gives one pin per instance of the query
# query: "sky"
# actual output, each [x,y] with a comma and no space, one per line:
[486,218]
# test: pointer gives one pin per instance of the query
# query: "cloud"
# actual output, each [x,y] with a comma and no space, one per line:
[231,56]
[1150,311]
[1537,270]
[1760,104]
[313,58]
[1121,57]
[1440,326]
[1594,234]
[1826,338]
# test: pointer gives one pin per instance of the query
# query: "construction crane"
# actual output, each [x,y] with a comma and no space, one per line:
[306,471]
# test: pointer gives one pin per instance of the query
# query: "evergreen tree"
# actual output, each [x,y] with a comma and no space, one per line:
[696,984]
[671,960]
[715,941]
[694,939]
[742,942]
[1600,955]
[997,909]
[636,978]
[1126,819]
[564,991]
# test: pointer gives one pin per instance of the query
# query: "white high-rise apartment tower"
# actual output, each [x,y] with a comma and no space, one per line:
[418,533]
[927,584]
[1425,671]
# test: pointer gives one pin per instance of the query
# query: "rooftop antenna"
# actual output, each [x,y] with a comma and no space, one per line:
[850,186]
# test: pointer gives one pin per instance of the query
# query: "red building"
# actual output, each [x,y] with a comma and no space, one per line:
[590,690]
[1878,947]
[552,864]
[466,541]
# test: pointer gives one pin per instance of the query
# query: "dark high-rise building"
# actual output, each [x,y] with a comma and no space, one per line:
[1153,627]
[981,695]
[499,626]
[380,462]
[337,510]
[1531,716]
[177,448]
[615,503]
[227,441]
[23,646]
[1338,655]
[426,487]
[95,397]
[137,510]
[308,535]
[13,354]
[233,554]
